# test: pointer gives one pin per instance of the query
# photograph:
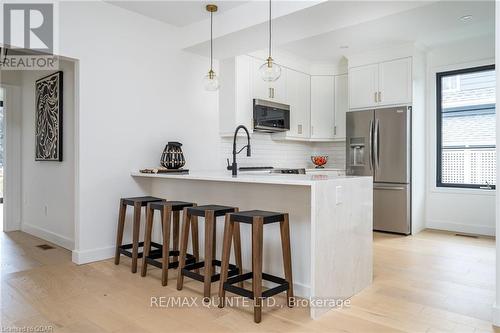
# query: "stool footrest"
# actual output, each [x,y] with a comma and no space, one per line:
[187,270]
[153,257]
[229,285]
[125,249]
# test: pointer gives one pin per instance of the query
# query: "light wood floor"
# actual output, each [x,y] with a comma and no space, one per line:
[431,282]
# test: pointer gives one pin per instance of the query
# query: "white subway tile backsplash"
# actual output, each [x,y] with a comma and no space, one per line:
[284,154]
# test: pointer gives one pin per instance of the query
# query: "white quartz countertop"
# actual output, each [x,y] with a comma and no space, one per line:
[249,177]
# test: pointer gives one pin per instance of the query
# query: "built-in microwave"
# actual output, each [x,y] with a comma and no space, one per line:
[270,116]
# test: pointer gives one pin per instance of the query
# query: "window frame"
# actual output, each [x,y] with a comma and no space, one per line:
[439,145]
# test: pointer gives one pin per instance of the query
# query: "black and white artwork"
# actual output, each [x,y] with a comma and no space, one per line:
[48,118]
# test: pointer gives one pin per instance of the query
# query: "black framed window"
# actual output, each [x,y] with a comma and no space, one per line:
[466,128]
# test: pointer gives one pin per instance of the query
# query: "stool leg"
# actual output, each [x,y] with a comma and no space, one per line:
[209,244]
[257,245]
[147,239]
[287,257]
[135,235]
[226,252]
[184,240]
[194,240]
[237,249]
[165,221]
[119,232]
[175,236]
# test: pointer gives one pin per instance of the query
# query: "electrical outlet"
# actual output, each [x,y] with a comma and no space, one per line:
[339,194]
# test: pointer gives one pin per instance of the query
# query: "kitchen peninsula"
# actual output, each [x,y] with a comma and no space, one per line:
[330,223]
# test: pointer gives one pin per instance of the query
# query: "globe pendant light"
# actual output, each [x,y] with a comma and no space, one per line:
[210,81]
[270,71]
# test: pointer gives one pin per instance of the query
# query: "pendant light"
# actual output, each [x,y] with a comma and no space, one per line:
[270,71]
[211,82]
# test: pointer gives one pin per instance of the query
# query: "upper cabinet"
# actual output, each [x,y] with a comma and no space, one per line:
[383,84]
[317,104]
[298,90]
[271,91]
[363,86]
[322,107]
[235,95]
[341,106]
[395,82]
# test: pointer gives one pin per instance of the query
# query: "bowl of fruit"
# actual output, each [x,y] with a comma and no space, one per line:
[319,160]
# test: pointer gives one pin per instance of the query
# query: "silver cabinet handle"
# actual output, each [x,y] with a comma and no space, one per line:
[334,130]
[299,129]
[270,92]
[375,97]
[379,97]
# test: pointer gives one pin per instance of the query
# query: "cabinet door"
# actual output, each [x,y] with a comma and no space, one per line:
[260,88]
[271,91]
[322,107]
[341,106]
[395,82]
[363,86]
[298,96]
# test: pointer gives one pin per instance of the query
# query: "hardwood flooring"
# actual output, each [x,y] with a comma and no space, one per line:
[431,282]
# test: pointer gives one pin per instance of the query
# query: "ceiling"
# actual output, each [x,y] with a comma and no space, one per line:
[177,13]
[430,25]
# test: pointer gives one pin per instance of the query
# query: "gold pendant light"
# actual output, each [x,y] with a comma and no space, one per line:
[211,81]
[270,71]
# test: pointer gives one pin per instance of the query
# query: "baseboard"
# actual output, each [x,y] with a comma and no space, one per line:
[49,236]
[495,315]
[458,227]
[87,256]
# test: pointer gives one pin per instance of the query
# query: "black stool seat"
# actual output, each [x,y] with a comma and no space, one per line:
[217,209]
[247,216]
[176,205]
[143,200]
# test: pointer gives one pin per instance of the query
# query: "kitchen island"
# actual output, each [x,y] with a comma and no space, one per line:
[330,224]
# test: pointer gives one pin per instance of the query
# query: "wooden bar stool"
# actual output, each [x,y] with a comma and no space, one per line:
[168,209]
[257,219]
[210,213]
[138,203]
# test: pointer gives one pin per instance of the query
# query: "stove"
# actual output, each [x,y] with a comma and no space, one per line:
[290,171]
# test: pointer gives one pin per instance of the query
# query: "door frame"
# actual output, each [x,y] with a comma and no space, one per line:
[12,165]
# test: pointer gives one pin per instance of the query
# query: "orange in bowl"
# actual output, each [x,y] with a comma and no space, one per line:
[319,160]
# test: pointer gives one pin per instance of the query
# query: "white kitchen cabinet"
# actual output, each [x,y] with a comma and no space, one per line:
[395,82]
[363,86]
[271,91]
[322,107]
[382,84]
[341,106]
[298,89]
[235,95]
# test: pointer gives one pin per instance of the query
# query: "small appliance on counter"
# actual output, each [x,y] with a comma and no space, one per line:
[172,156]
[164,170]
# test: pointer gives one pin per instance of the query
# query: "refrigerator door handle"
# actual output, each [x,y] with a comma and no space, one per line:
[390,188]
[376,147]
[370,146]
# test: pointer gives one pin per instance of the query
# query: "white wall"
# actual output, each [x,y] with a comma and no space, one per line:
[460,210]
[47,189]
[137,90]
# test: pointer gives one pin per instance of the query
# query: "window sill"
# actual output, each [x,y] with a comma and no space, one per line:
[463,191]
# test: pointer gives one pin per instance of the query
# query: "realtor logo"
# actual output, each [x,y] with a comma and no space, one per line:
[29,26]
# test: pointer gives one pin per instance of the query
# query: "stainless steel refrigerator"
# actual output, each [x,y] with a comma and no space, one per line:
[379,145]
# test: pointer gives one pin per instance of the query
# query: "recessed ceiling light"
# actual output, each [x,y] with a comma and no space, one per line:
[465,18]
[344,46]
